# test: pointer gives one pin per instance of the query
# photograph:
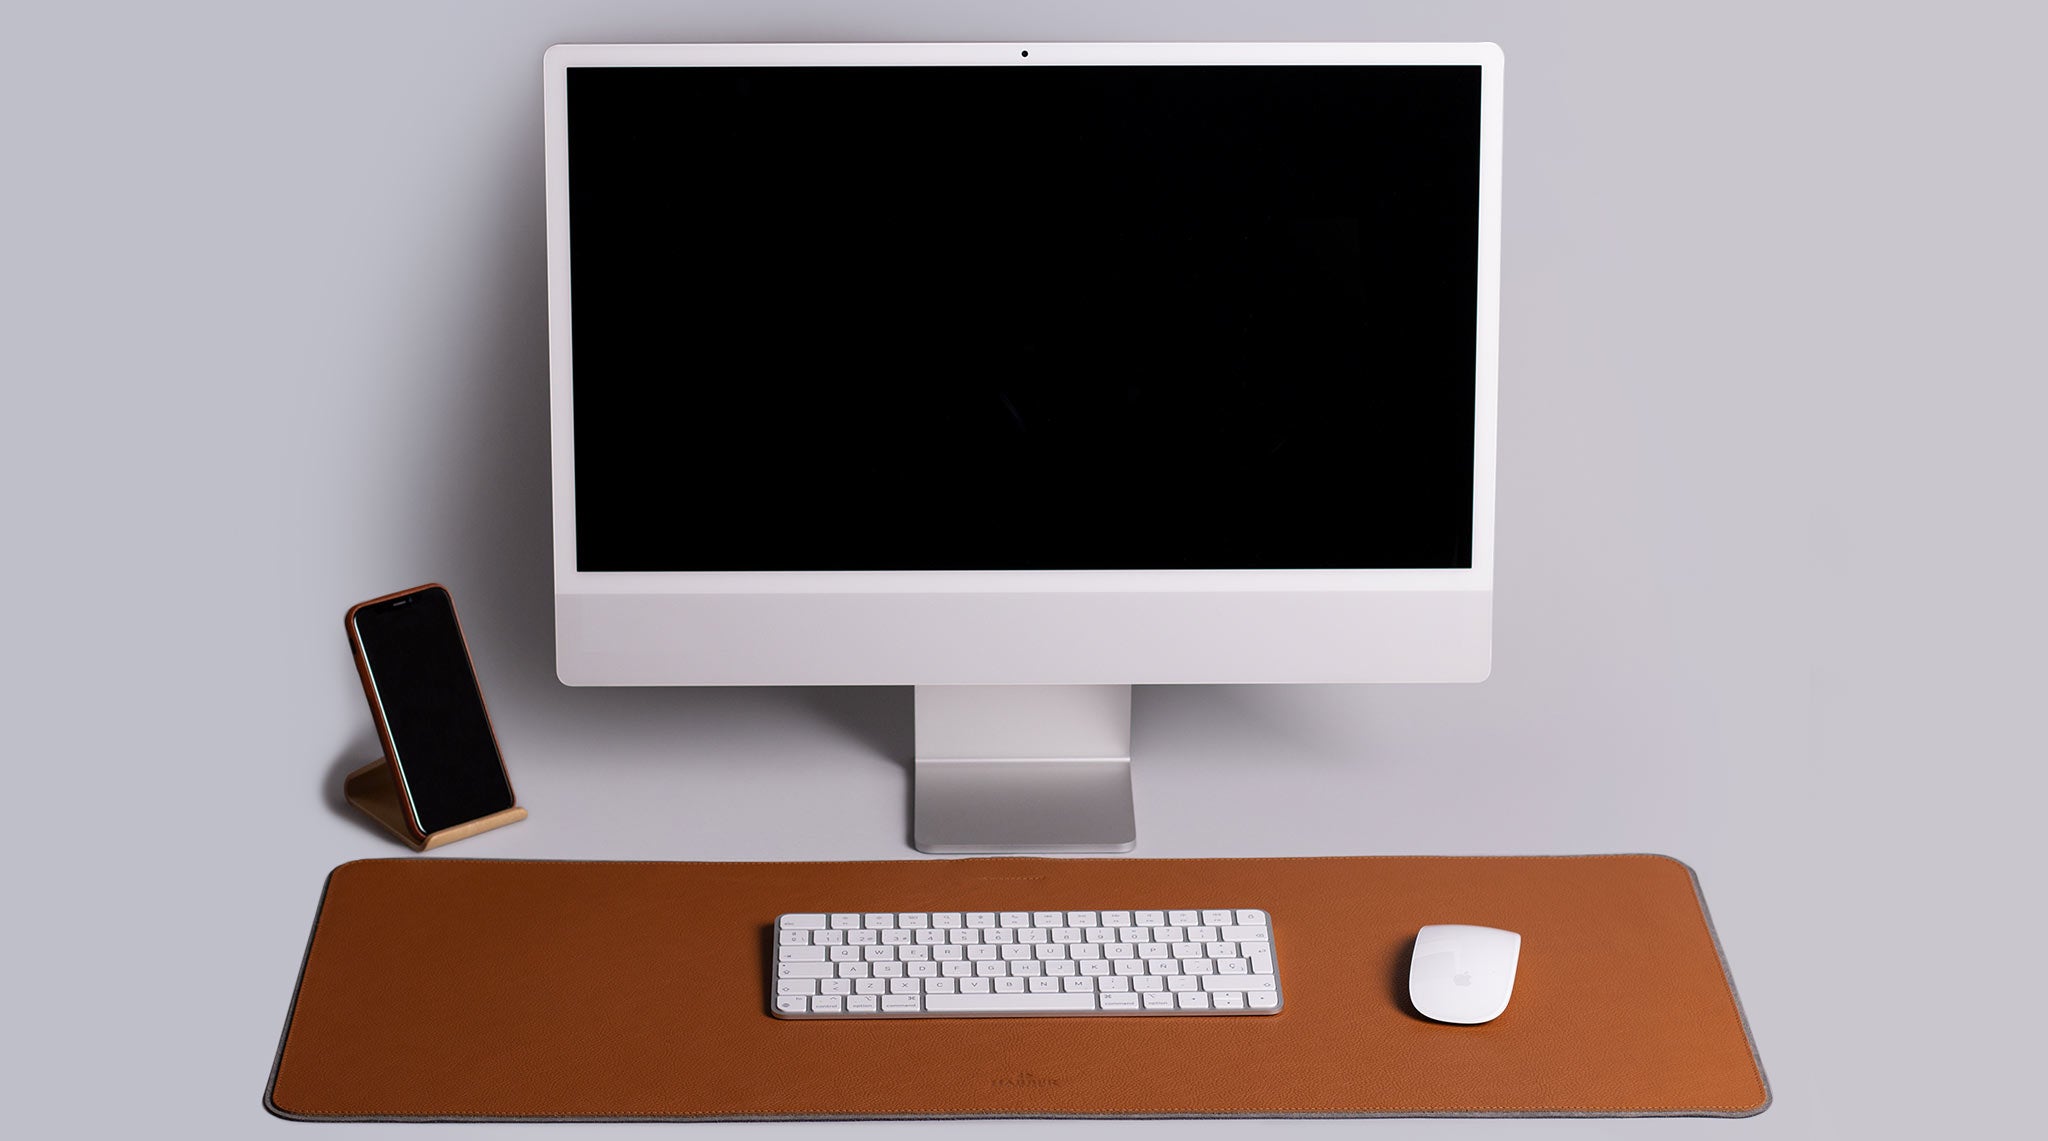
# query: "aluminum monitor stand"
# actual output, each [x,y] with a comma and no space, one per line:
[1023,768]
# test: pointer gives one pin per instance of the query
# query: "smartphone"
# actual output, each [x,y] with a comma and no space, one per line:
[429,708]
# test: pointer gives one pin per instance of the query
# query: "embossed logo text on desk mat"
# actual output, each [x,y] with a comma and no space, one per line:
[440,989]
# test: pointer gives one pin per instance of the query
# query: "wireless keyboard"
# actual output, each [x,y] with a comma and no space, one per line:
[970,964]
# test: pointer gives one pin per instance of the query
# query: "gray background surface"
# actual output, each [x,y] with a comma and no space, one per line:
[1770,527]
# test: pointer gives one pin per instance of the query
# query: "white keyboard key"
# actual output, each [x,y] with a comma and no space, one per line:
[1119,1002]
[1158,1000]
[804,921]
[1149,918]
[981,954]
[1066,935]
[794,939]
[1221,950]
[900,1004]
[1116,919]
[1095,968]
[1014,918]
[946,920]
[1100,935]
[1147,983]
[1153,951]
[896,937]
[1201,934]
[1009,986]
[1009,1003]
[974,986]
[1044,951]
[804,970]
[1015,952]
[796,986]
[887,971]
[921,970]
[940,986]
[1245,934]
[1081,951]
[963,936]
[1187,950]
[1062,968]
[1231,967]
[828,938]
[1162,966]
[844,920]
[843,954]
[905,986]
[1034,935]
[1217,918]
[876,920]
[980,919]
[1127,967]
[1120,951]
[1229,1000]
[1167,934]
[988,970]
[1238,982]
[1263,1000]
[957,969]
[793,1004]
[1194,1000]
[1183,983]
[861,1004]
[878,954]
[913,920]
[1199,967]
[835,986]
[948,953]
[1081,919]
[998,937]
[1048,919]
[828,1004]
[1261,960]
[1044,986]
[871,986]
[913,954]
[853,970]
[1250,918]
[1113,984]
[1183,918]
[1028,968]
[1077,985]
[800,954]
[929,937]
[1134,934]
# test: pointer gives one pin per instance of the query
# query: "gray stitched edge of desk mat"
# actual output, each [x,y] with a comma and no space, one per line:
[1699,897]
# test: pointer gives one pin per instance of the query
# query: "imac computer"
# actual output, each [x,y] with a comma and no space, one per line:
[1022,374]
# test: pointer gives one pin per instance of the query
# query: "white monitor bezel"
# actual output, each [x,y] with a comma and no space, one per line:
[572,582]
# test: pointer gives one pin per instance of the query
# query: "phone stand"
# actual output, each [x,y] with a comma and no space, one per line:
[373,789]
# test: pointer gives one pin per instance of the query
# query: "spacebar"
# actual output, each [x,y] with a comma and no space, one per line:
[1007,1003]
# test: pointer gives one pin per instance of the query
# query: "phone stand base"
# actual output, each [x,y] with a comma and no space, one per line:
[373,789]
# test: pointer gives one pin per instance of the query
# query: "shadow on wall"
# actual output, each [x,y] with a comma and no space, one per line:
[485,527]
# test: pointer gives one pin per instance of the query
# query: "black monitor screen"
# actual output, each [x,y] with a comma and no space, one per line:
[1023,318]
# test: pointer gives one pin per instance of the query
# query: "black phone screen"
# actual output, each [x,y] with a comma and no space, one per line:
[423,681]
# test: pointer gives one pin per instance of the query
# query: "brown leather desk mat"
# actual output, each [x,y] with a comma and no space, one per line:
[498,990]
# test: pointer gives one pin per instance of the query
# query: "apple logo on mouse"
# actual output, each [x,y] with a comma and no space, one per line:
[1462,978]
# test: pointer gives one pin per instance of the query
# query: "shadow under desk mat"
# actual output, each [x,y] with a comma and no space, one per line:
[499,990]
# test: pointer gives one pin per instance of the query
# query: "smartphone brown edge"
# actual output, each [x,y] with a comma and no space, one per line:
[355,643]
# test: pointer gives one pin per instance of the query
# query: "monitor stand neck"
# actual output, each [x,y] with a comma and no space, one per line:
[1023,768]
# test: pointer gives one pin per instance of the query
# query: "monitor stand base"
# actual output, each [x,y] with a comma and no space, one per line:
[1023,768]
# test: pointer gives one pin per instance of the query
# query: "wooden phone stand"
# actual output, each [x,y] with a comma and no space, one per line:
[373,789]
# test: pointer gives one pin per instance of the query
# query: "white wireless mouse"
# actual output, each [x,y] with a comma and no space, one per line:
[1463,974]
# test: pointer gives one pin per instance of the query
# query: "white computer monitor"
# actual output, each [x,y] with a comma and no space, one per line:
[1021,374]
